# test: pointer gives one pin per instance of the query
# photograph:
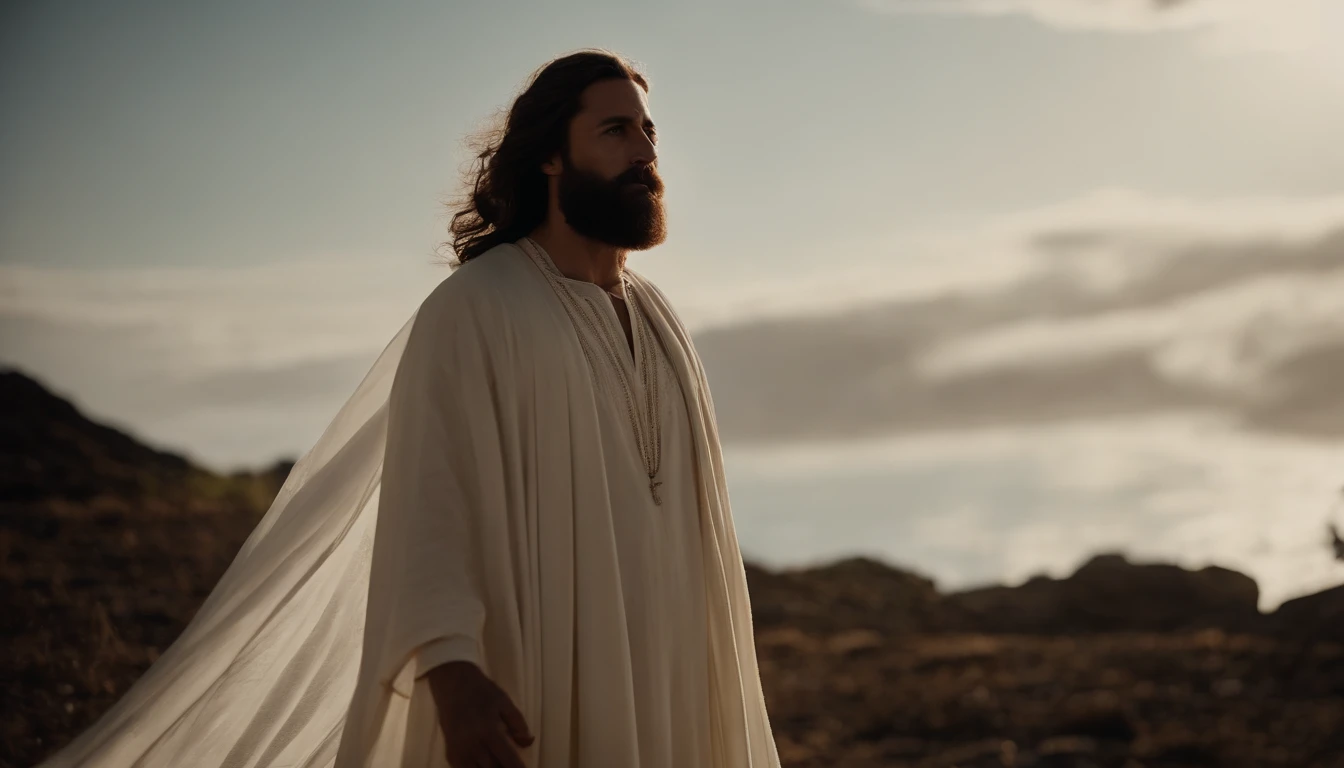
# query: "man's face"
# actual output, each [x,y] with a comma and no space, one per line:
[608,187]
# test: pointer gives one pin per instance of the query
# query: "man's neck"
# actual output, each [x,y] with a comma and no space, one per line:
[581,258]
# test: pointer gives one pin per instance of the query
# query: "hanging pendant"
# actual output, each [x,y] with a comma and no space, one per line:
[653,489]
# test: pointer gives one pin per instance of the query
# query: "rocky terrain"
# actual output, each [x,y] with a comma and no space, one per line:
[1118,665]
[107,547]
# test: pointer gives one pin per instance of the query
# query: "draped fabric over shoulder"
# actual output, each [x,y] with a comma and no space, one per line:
[459,506]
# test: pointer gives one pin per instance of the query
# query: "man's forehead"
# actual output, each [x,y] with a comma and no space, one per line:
[608,99]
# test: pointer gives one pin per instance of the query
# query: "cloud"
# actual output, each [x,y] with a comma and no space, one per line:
[220,317]
[1045,258]
[1225,338]
[1003,504]
[232,364]
[1303,393]
[1115,306]
[1223,25]
[1112,304]
[233,416]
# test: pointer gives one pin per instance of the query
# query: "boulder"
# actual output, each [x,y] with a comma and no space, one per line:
[1111,594]
[850,594]
[1319,616]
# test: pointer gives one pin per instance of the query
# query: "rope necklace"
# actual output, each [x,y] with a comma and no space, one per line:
[583,312]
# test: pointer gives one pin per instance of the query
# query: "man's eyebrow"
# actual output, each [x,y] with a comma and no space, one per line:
[623,120]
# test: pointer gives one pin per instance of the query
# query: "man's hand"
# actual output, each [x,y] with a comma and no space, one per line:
[475,715]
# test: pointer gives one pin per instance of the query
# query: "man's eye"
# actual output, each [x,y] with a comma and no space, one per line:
[616,129]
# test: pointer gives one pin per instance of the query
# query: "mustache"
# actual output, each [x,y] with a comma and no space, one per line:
[643,174]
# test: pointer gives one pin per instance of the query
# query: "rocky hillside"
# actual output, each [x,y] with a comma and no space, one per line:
[107,547]
[1119,664]
[1106,594]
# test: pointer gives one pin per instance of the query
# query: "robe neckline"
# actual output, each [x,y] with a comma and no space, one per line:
[631,369]
[585,285]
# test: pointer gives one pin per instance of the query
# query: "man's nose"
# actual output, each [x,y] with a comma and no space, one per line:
[646,153]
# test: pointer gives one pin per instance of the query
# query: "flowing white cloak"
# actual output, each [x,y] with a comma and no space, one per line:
[280,667]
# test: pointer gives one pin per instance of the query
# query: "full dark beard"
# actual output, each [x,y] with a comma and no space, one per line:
[612,211]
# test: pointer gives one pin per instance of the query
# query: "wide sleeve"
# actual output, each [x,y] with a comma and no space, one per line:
[438,547]
[459,647]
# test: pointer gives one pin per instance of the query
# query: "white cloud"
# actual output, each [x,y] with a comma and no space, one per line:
[1230,338]
[1223,336]
[1190,490]
[1113,302]
[1284,26]
[221,317]
[232,364]
[1137,232]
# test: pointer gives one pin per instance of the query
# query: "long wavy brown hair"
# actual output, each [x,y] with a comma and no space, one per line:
[505,190]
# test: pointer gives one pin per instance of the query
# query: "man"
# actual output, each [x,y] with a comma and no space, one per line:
[513,546]
[544,532]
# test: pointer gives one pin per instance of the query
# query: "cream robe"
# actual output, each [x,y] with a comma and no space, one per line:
[514,530]
[658,547]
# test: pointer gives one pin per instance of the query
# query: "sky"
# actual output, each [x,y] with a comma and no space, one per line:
[982,287]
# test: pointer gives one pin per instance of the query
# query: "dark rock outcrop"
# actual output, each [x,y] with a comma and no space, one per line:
[50,450]
[856,593]
[107,548]
[1316,616]
[1111,594]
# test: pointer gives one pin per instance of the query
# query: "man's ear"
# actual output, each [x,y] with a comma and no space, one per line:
[553,166]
